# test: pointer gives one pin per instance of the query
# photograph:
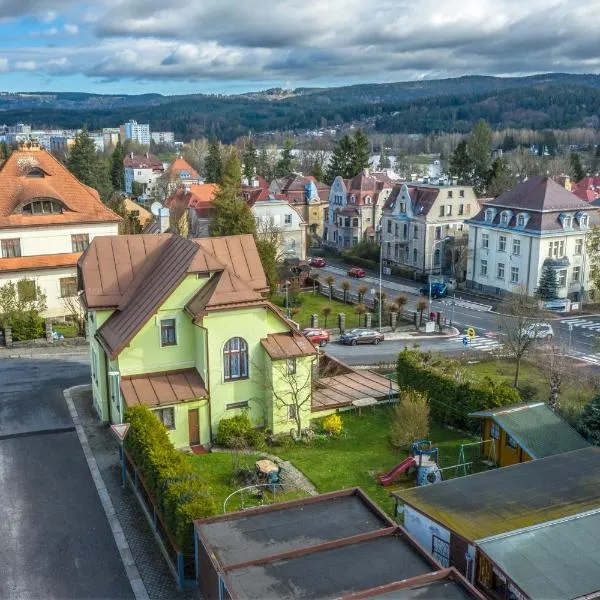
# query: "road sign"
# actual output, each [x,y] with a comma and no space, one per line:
[120,431]
[471,332]
[570,326]
[465,341]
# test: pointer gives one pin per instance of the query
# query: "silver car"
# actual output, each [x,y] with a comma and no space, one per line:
[539,331]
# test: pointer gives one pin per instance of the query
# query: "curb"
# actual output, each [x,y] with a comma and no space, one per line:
[46,354]
[135,580]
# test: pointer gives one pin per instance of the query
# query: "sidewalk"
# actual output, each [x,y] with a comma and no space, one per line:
[44,351]
[149,560]
[448,332]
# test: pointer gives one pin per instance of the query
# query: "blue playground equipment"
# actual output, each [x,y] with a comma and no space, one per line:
[426,459]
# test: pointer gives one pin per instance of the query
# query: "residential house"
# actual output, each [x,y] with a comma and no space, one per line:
[137,210]
[514,236]
[144,169]
[255,189]
[135,132]
[423,228]
[47,219]
[308,196]
[587,189]
[336,545]
[183,327]
[193,204]
[183,173]
[355,207]
[457,519]
[514,434]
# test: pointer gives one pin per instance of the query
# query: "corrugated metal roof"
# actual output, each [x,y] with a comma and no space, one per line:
[536,428]
[560,559]
[510,498]
[161,389]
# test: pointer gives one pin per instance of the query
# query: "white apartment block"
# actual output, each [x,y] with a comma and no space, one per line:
[424,230]
[537,223]
[163,137]
[136,132]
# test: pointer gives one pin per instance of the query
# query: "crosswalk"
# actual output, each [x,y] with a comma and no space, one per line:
[483,344]
[583,323]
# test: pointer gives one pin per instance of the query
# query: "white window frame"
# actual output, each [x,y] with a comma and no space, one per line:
[160,338]
[502,239]
[514,274]
[516,244]
[160,412]
[483,267]
[562,278]
[485,240]
[498,267]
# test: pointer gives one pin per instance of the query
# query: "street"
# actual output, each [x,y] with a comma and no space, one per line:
[55,540]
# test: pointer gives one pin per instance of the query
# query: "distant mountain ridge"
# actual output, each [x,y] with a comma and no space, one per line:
[538,101]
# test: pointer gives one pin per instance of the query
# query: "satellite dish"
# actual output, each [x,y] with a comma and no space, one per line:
[155,208]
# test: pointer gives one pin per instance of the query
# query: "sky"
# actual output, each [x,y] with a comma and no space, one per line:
[233,46]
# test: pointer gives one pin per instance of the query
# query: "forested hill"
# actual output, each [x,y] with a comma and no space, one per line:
[539,102]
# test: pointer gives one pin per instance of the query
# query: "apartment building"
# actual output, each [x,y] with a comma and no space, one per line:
[144,169]
[136,132]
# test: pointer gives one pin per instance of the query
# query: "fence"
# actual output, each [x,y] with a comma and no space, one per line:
[182,566]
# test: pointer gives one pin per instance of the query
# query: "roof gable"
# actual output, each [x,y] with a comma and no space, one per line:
[180,164]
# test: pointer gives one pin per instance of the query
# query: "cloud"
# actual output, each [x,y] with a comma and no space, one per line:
[3,64]
[301,42]
[26,65]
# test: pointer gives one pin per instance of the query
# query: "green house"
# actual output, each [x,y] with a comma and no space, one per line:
[183,327]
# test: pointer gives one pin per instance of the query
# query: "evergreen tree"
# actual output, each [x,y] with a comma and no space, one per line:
[263,165]
[461,165]
[361,153]
[232,173]
[89,166]
[595,161]
[341,160]
[213,165]
[117,171]
[500,178]
[267,251]
[589,421]
[285,165]
[479,148]
[548,286]
[384,159]
[317,171]
[577,173]
[250,160]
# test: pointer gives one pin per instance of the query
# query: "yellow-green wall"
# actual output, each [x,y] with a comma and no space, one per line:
[180,436]
[98,364]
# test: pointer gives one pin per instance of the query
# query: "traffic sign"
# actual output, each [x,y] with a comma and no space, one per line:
[120,431]
[471,332]
[570,326]
[465,341]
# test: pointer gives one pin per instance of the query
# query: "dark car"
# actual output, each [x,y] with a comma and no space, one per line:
[356,272]
[318,336]
[317,262]
[438,290]
[361,336]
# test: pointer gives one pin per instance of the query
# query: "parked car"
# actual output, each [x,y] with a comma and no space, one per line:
[356,272]
[361,336]
[318,336]
[539,331]
[317,262]
[438,289]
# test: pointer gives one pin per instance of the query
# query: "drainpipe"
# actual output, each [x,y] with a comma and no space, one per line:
[115,385]
[474,273]
[529,261]
[206,381]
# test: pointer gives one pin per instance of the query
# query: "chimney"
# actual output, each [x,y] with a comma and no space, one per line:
[163,219]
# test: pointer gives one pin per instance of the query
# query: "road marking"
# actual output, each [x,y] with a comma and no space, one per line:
[582,323]
[481,343]
[467,304]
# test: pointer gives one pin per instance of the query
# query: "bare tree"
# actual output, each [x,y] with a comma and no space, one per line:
[458,251]
[75,313]
[556,369]
[267,230]
[517,322]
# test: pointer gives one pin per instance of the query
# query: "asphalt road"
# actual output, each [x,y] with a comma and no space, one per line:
[55,541]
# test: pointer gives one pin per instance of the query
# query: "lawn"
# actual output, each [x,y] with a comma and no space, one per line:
[314,304]
[362,452]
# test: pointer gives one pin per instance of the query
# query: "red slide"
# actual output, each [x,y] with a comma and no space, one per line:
[392,475]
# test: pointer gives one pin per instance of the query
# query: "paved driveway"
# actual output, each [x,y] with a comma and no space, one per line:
[55,541]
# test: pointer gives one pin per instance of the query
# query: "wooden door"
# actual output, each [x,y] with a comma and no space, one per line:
[194,426]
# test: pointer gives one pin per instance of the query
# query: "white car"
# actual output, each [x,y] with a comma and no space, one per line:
[539,331]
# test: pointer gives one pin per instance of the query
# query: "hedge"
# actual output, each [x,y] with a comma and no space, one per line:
[179,492]
[356,261]
[451,398]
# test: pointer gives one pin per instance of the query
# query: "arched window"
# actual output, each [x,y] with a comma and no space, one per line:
[436,257]
[521,221]
[235,359]
[415,256]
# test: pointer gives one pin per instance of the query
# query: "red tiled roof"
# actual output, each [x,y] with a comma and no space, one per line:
[287,345]
[81,204]
[143,161]
[162,389]
[195,196]
[41,262]
[180,164]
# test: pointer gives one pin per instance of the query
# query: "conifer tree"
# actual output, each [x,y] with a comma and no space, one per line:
[89,166]
[117,171]
[500,178]
[589,421]
[214,163]
[548,286]
[361,153]
[479,148]
[461,166]
[285,165]
[384,159]
[341,160]
[250,160]
[577,172]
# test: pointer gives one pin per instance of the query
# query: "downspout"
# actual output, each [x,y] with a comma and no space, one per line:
[529,261]
[474,253]
[206,382]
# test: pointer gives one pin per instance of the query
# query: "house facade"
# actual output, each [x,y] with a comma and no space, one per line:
[183,173]
[423,228]
[308,196]
[192,208]
[47,219]
[537,223]
[355,208]
[183,327]
[144,169]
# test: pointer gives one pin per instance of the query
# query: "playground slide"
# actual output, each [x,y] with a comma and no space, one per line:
[392,475]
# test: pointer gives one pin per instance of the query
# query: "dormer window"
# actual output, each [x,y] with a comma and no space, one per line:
[504,218]
[42,207]
[35,172]
[490,213]
[353,199]
[568,222]
[520,221]
[583,219]
[368,200]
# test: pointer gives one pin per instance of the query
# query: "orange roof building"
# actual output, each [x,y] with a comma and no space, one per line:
[195,201]
[47,219]
[184,172]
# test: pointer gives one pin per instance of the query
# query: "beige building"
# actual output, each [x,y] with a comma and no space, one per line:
[423,228]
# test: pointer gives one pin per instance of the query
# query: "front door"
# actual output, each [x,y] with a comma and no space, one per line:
[194,426]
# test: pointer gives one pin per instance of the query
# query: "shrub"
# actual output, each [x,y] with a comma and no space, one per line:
[451,397]
[179,492]
[237,431]
[410,419]
[333,424]
[589,421]
[356,261]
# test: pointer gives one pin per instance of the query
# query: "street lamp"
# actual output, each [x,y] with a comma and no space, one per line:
[287,300]
[445,239]
[380,231]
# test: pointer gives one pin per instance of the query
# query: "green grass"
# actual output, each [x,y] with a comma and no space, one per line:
[363,452]
[314,304]
[67,329]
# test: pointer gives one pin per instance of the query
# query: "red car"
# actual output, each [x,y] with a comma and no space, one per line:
[356,272]
[319,337]
[317,262]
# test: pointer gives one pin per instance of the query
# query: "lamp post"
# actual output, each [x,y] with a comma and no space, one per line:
[435,243]
[287,300]
[379,302]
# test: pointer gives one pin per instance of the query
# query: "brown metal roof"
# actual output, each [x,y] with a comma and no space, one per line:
[341,390]
[161,389]
[287,345]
